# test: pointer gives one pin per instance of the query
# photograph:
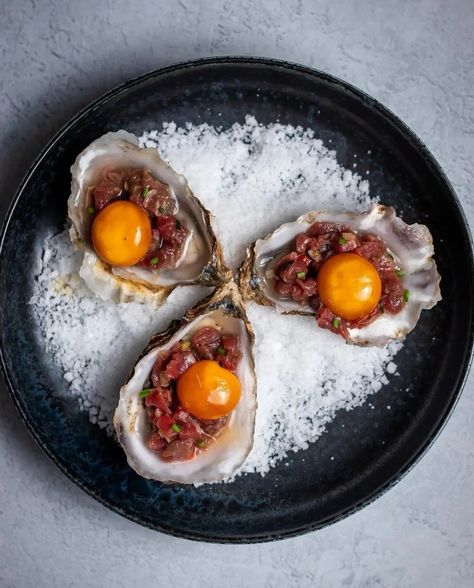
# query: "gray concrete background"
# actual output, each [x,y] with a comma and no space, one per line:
[417,57]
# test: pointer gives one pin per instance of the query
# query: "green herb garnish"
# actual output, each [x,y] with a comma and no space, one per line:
[178,224]
[154,260]
[145,192]
[221,351]
[406,295]
[200,443]
[144,393]
[382,308]
[390,255]
[301,275]
[176,428]
[400,273]
[336,322]
[91,210]
[342,241]
[162,210]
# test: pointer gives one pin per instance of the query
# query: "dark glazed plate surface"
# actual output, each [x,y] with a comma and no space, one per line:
[350,465]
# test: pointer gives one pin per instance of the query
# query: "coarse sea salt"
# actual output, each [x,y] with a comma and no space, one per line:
[253,178]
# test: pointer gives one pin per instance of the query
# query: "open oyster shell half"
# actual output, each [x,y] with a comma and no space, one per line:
[202,260]
[412,245]
[222,309]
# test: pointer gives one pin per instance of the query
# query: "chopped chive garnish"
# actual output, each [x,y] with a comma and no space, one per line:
[91,210]
[178,224]
[382,308]
[176,428]
[406,295]
[400,273]
[154,261]
[221,351]
[200,443]
[144,393]
[336,322]
[145,191]
[390,254]
[301,275]
[342,241]
[162,210]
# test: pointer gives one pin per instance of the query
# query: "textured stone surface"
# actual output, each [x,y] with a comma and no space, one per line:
[415,56]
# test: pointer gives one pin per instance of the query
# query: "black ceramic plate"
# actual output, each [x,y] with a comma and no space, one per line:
[349,466]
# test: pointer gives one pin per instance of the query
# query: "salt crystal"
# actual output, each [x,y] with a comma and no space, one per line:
[391,367]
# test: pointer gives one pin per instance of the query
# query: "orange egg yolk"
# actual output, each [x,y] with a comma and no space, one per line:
[349,286]
[121,233]
[208,391]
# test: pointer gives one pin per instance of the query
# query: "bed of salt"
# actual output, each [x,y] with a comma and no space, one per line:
[253,178]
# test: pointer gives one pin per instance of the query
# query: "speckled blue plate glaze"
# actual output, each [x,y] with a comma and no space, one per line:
[365,451]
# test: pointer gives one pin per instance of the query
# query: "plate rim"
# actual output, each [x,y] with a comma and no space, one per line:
[429,158]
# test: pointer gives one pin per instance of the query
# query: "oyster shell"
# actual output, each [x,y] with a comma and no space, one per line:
[202,260]
[412,245]
[225,455]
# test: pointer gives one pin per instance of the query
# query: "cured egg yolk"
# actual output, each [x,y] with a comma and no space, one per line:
[349,286]
[208,391]
[121,233]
